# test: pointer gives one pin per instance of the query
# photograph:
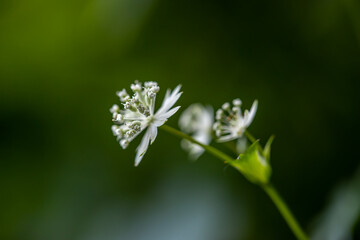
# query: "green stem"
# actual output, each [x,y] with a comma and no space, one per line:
[269,189]
[250,137]
[280,204]
[285,211]
[207,148]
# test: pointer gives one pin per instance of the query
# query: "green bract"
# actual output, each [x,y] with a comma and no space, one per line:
[255,163]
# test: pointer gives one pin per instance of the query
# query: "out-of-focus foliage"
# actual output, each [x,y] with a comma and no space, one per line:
[342,213]
[62,174]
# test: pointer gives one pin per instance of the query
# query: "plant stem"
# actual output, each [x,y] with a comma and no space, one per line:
[285,212]
[269,189]
[250,136]
[207,148]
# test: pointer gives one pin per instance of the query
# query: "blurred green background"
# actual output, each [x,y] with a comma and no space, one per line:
[63,175]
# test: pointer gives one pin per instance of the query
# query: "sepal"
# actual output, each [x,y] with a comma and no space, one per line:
[253,164]
[267,148]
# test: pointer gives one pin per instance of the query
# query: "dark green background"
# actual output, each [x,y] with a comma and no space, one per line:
[63,175]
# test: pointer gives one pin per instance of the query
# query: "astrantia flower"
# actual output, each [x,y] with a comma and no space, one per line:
[138,114]
[196,120]
[231,123]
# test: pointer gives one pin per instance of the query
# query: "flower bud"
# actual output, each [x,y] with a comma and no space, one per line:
[226,106]
[115,108]
[237,102]
[254,165]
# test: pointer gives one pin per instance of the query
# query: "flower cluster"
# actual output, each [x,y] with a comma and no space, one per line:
[138,114]
[196,120]
[230,122]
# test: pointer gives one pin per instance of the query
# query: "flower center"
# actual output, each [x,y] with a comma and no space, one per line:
[150,119]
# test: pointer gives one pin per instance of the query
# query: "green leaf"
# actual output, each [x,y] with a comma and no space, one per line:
[267,148]
[253,165]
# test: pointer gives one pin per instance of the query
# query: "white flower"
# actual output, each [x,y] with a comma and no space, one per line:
[138,114]
[196,120]
[231,123]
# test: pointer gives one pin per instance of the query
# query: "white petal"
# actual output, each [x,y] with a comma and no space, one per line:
[153,133]
[208,117]
[186,120]
[227,138]
[195,151]
[152,105]
[167,94]
[251,114]
[160,119]
[204,138]
[159,122]
[169,113]
[170,100]
[141,149]
[242,122]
